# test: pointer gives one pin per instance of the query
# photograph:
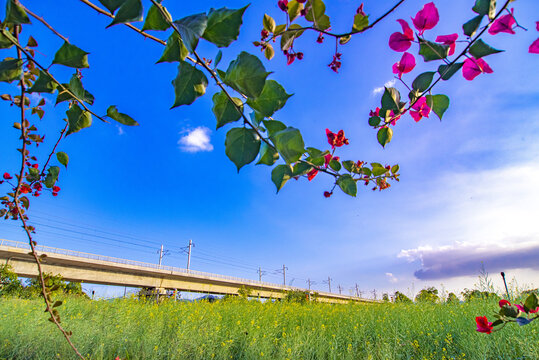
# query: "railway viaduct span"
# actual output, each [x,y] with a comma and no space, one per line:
[98,269]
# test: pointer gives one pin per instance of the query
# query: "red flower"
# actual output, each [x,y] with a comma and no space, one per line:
[448,40]
[483,325]
[327,194]
[360,10]
[264,34]
[7,176]
[35,166]
[402,41]
[283,5]
[375,112]
[504,302]
[420,109]
[25,189]
[336,140]
[426,18]
[405,65]
[473,67]
[311,174]
[38,186]
[503,24]
[335,65]
[55,188]
[320,38]
[534,47]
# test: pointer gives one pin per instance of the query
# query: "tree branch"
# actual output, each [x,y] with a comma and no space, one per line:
[44,23]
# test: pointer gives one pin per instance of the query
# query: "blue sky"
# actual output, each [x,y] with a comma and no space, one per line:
[467,192]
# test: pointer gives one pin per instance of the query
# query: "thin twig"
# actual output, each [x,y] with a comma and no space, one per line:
[54,149]
[45,70]
[20,213]
[44,23]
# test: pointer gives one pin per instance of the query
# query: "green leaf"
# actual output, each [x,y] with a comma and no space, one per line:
[72,56]
[391,99]
[10,70]
[288,37]
[43,84]
[280,175]
[52,176]
[317,14]
[335,164]
[218,58]
[289,143]
[472,25]
[241,146]
[374,121]
[224,110]
[384,136]
[440,103]
[156,21]
[378,169]
[301,168]
[246,75]
[112,5]
[350,166]
[191,29]
[175,50]
[256,118]
[62,158]
[485,7]
[130,11]
[75,85]
[272,98]
[77,119]
[480,49]
[5,43]
[113,113]
[15,14]
[279,29]
[268,23]
[269,52]
[508,310]
[447,71]
[224,26]
[273,126]
[347,184]
[360,22]
[531,302]
[189,85]
[423,81]
[432,51]
[268,155]
[294,9]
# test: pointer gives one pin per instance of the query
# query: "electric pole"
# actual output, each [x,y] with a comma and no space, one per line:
[160,255]
[309,282]
[284,275]
[189,254]
[357,290]
[340,289]
[374,294]
[328,281]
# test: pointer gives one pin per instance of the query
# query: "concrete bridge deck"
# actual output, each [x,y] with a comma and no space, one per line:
[98,269]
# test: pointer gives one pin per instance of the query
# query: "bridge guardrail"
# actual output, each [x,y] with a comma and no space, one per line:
[49,249]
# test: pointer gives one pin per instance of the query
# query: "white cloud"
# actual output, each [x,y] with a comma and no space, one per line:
[120,130]
[380,89]
[196,140]
[391,278]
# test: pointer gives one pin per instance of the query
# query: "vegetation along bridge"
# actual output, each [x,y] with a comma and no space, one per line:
[98,269]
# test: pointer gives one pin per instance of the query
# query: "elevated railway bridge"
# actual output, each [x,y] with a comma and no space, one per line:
[99,269]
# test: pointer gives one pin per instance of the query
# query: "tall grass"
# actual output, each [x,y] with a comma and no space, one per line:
[238,329]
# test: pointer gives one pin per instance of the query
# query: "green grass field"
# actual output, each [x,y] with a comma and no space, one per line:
[239,329]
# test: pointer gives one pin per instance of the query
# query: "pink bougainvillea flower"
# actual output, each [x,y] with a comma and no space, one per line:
[521,308]
[7,176]
[375,112]
[537,25]
[483,325]
[420,109]
[405,65]
[402,41]
[473,67]
[283,5]
[336,140]
[448,40]
[503,24]
[504,302]
[426,18]
[311,174]
[360,10]
[394,118]
[534,47]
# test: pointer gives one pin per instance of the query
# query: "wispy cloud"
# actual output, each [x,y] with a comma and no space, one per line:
[380,89]
[196,140]
[391,278]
